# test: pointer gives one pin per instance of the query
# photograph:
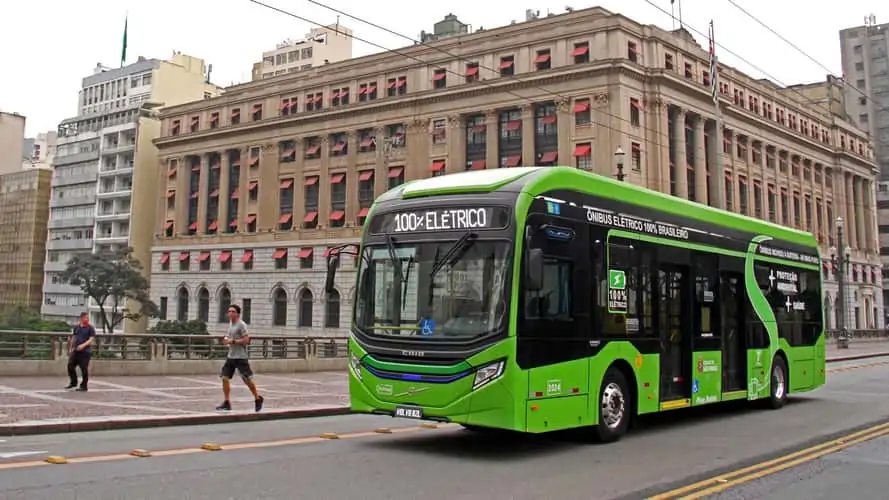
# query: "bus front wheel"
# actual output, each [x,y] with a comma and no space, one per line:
[615,407]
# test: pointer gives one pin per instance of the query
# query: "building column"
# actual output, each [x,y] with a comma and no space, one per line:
[870,201]
[456,144]
[492,139]
[680,158]
[700,164]
[861,223]
[564,126]
[202,193]
[243,195]
[851,216]
[180,202]
[224,191]
[529,153]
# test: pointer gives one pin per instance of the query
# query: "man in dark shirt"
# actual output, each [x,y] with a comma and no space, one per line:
[80,350]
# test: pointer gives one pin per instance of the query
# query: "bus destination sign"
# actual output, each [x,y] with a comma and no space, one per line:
[441,219]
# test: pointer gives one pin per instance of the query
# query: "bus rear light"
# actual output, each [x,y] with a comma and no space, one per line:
[487,373]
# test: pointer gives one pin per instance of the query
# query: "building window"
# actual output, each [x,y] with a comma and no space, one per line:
[543,61]
[339,144]
[176,128]
[256,115]
[306,303]
[247,260]
[288,106]
[632,53]
[214,120]
[669,65]
[182,304]
[440,79]
[332,310]
[581,53]
[635,112]
[689,71]
[288,151]
[367,92]
[250,223]
[225,260]
[472,72]
[438,168]
[279,308]
[340,97]
[204,261]
[285,205]
[396,177]
[162,309]
[195,124]
[366,141]
[636,156]
[312,148]
[396,86]
[246,310]
[184,261]
[583,156]
[507,66]
[280,258]
[235,118]
[306,258]
[310,196]
[439,131]
[203,305]
[582,113]
[337,200]
[225,301]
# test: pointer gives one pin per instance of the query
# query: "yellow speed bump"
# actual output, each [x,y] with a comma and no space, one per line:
[330,435]
[383,430]
[56,460]
[140,453]
[428,425]
[211,447]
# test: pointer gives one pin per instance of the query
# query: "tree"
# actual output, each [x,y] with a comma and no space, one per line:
[19,317]
[114,280]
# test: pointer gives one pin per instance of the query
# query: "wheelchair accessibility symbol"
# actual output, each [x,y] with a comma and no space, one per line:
[427,327]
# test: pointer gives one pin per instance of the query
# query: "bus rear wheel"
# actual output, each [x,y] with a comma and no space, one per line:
[778,385]
[615,407]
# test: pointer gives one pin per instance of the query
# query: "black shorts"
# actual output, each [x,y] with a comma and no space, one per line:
[242,365]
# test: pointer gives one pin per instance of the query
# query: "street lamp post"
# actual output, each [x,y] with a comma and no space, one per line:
[840,258]
[619,157]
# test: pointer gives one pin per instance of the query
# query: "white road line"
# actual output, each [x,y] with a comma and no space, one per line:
[128,388]
[196,381]
[291,379]
[16,454]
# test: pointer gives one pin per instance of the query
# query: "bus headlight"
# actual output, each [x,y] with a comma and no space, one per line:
[355,365]
[488,373]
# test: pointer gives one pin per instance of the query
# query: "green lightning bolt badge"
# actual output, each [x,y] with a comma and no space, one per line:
[617,279]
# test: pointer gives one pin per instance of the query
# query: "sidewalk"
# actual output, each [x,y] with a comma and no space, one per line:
[42,405]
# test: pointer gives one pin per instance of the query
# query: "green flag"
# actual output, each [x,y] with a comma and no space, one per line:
[123,50]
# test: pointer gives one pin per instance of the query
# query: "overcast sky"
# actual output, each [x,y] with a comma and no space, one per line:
[48,46]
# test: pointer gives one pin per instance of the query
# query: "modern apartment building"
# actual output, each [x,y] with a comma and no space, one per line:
[12,135]
[39,152]
[865,55]
[320,46]
[102,155]
[281,169]
[24,209]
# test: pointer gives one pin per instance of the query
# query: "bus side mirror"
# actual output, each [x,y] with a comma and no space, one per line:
[535,269]
[333,261]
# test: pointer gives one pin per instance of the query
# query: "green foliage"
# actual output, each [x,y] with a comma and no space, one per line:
[114,280]
[18,346]
[192,327]
[19,317]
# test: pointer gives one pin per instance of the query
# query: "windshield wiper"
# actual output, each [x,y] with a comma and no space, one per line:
[399,279]
[449,256]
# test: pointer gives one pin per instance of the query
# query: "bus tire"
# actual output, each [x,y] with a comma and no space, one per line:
[778,384]
[615,407]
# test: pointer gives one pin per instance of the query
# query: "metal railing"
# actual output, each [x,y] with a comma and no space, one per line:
[144,347]
[869,334]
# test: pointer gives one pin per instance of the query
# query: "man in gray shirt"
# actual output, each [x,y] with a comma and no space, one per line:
[237,341]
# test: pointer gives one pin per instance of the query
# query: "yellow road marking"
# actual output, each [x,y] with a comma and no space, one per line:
[723,482]
[202,449]
[856,367]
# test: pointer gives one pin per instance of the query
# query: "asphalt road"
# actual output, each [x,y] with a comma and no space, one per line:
[448,462]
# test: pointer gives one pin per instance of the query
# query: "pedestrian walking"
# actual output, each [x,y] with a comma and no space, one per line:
[237,339]
[80,351]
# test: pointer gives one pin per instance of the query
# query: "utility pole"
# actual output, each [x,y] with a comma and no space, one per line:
[717,177]
[842,260]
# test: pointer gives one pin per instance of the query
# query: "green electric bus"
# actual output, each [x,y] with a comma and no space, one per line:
[538,299]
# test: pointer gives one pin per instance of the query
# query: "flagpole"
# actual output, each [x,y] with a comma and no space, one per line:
[123,51]
[717,178]
[680,13]
[673,12]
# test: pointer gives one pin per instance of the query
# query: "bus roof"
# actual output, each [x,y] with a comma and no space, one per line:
[535,181]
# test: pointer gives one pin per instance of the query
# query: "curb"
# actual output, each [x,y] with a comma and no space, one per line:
[166,421]
[853,357]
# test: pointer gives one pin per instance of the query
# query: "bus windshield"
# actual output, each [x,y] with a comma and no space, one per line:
[449,289]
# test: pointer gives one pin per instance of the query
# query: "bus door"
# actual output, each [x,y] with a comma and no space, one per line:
[674,324]
[707,363]
[733,315]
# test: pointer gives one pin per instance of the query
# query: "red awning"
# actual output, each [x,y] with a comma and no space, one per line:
[339,147]
[193,226]
[310,217]
[171,172]
[331,251]
[337,178]
[183,256]
[165,257]
[477,129]
[512,125]
[248,256]
[213,225]
[438,165]
[371,89]
[251,218]
[549,157]
[168,225]
[235,194]
[549,119]
[337,215]
[392,84]
[363,212]
[582,149]
[541,58]
[233,223]
[471,71]
[286,183]
[366,142]
[311,181]
[214,193]
[507,63]
[203,256]
[313,150]
[580,107]
[305,253]
[253,161]
[478,165]
[579,51]
[194,195]
[253,185]
[395,172]
[279,254]
[171,193]
[365,175]
[513,161]
[439,75]
[285,218]
[401,82]
[288,152]
[225,256]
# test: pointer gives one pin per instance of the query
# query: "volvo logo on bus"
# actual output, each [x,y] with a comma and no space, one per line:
[413,354]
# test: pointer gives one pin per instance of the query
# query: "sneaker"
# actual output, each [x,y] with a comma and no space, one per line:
[70,386]
[81,389]
[258,403]
[225,406]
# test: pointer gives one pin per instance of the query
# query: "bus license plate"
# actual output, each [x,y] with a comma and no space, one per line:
[408,412]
